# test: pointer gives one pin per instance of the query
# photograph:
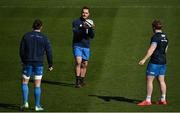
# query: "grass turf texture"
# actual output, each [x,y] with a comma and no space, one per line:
[115,81]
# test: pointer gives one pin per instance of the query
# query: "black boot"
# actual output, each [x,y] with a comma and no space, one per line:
[82,81]
[77,85]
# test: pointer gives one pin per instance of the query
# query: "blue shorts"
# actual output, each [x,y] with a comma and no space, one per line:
[32,70]
[155,69]
[84,53]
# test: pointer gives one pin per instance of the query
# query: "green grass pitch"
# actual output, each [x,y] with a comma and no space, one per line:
[115,80]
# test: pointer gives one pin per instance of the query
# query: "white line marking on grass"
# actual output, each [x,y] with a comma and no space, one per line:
[136,6]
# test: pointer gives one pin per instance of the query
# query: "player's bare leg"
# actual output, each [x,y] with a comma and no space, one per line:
[37,83]
[162,85]
[84,65]
[25,81]
[149,90]
[78,61]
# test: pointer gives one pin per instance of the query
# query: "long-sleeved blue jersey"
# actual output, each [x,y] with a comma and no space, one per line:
[80,37]
[32,48]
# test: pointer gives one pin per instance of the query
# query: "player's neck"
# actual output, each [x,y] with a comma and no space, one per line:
[158,31]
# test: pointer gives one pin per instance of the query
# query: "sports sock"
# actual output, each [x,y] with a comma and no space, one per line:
[37,94]
[77,80]
[163,97]
[148,98]
[82,79]
[25,92]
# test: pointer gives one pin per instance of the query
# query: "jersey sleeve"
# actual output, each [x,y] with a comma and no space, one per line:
[22,49]
[48,50]
[76,29]
[154,40]
[91,32]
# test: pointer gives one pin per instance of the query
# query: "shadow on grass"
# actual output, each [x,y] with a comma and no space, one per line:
[9,106]
[13,107]
[56,83]
[116,98]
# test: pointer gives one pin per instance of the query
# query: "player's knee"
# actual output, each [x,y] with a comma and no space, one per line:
[78,64]
[162,83]
[25,80]
[37,83]
[84,65]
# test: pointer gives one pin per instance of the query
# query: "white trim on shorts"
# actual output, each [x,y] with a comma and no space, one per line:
[36,77]
[25,77]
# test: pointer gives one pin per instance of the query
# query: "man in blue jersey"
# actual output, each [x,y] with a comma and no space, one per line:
[32,48]
[157,64]
[83,31]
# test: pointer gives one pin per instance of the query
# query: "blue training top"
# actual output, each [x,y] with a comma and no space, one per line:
[32,48]
[159,55]
[80,37]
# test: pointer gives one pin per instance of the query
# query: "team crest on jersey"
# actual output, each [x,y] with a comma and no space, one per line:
[163,35]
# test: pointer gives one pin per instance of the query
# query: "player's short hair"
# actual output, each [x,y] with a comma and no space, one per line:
[85,7]
[156,24]
[37,24]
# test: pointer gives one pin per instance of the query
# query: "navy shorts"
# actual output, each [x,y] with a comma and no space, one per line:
[36,71]
[156,69]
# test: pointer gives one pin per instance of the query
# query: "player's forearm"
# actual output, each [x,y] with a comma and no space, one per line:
[91,32]
[49,53]
[77,31]
[49,59]
[148,54]
[150,51]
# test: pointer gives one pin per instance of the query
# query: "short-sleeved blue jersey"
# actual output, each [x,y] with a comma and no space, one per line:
[159,55]
[32,48]
[80,37]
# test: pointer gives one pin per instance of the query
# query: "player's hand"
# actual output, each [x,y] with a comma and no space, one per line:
[50,68]
[93,26]
[85,25]
[142,62]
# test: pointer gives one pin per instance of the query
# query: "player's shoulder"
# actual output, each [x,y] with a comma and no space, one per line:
[27,34]
[155,38]
[43,35]
[160,34]
[36,34]
[76,20]
[157,35]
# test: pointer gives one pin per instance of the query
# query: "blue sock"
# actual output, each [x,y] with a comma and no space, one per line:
[25,92]
[37,94]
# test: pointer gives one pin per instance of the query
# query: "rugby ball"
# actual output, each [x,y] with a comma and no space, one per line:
[89,22]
